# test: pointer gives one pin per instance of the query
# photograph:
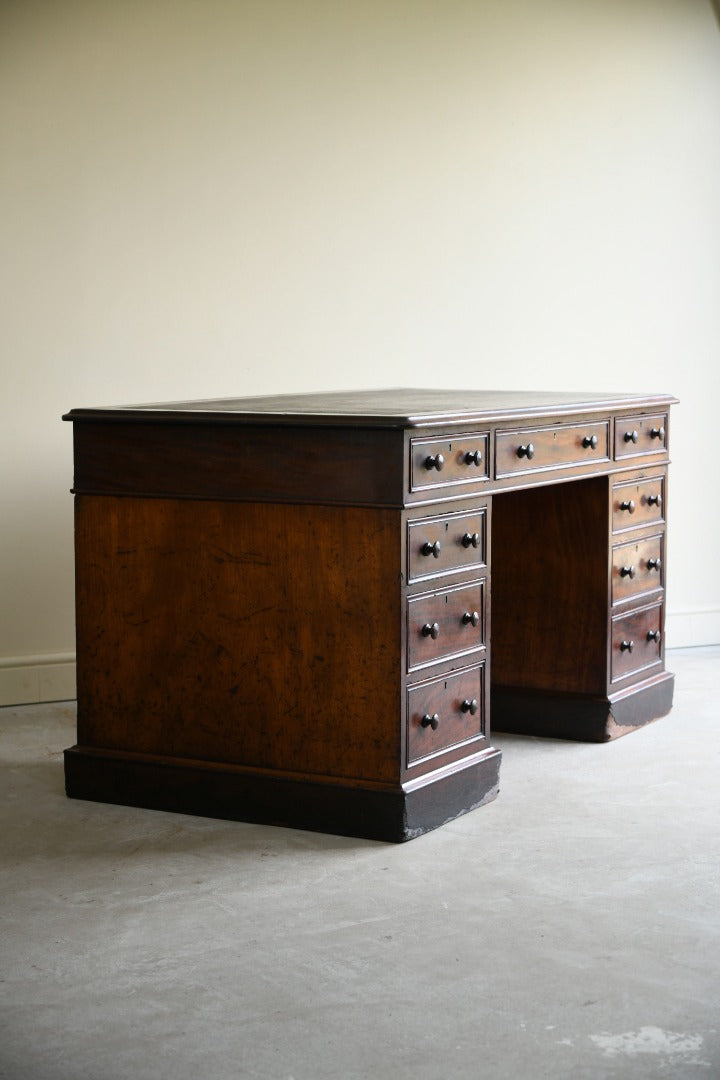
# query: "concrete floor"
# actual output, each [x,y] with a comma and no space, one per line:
[569,929]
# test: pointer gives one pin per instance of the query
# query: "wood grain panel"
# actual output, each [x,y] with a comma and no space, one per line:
[264,635]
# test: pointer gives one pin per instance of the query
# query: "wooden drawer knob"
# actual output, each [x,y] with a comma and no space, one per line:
[526,451]
[657,433]
[431,630]
[654,635]
[590,442]
[631,436]
[470,705]
[627,646]
[434,461]
[628,505]
[471,618]
[471,540]
[654,500]
[627,571]
[431,549]
[431,721]
[473,457]
[654,564]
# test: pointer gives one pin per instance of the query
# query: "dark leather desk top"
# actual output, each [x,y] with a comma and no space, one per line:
[391,408]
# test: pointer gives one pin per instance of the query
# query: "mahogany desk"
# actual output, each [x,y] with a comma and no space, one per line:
[305,610]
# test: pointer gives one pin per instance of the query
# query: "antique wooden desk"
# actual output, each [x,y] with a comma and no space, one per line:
[305,610]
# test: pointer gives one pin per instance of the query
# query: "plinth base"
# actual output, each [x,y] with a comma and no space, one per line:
[586,719]
[209,789]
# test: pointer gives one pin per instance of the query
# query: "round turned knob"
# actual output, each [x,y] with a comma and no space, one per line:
[654,564]
[657,433]
[526,451]
[431,721]
[631,436]
[471,617]
[627,571]
[431,549]
[627,646]
[654,635]
[628,505]
[434,461]
[473,457]
[471,540]
[590,442]
[470,705]
[654,500]
[431,630]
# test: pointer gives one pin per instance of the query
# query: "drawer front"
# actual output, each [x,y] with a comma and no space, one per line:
[636,641]
[446,543]
[444,713]
[637,435]
[533,449]
[637,568]
[638,502]
[445,624]
[441,462]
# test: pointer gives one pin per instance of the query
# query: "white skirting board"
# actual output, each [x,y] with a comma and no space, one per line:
[26,680]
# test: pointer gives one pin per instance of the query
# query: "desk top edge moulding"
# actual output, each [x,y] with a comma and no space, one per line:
[304,610]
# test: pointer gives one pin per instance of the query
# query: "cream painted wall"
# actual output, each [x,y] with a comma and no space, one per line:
[200,198]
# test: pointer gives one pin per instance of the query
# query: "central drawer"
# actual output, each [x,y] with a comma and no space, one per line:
[533,449]
[445,712]
[637,567]
[445,624]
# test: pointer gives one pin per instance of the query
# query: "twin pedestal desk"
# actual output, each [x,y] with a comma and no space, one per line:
[305,610]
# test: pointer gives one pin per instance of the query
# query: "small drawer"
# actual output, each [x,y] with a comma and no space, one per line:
[638,435]
[441,462]
[445,624]
[444,713]
[446,543]
[636,641]
[638,502]
[535,449]
[637,567]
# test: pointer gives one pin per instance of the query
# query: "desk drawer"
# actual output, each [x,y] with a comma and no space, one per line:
[637,435]
[445,624]
[636,641]
[637,568]
[533,449]
[446,543]
[638,502]
[443,462]
[445,712]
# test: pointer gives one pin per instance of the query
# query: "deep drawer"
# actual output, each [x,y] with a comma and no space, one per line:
[637,567]
[636,641]
[636,435]
[444,713]
[441,462]
[446,543]
[533,449]
[638,502]
[445,624]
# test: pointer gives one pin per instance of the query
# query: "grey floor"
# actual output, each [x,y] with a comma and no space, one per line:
[569,929]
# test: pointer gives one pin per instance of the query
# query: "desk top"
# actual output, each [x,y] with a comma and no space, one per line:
[391,408]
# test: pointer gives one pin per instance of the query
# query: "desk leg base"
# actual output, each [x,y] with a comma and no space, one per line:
[208,789]
[586,719]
